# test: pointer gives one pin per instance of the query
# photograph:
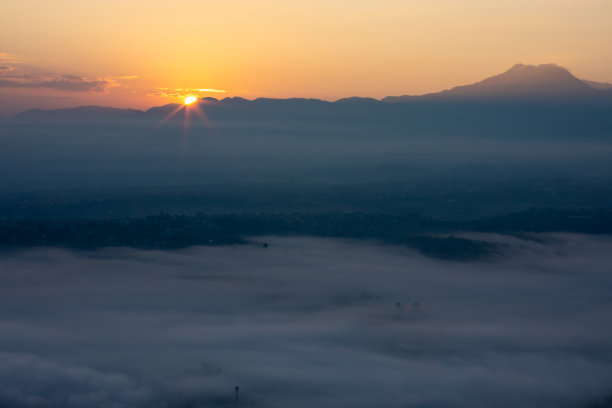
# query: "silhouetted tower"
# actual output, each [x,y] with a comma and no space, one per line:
[237,388]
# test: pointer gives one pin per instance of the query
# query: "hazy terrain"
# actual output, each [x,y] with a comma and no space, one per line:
[444,250]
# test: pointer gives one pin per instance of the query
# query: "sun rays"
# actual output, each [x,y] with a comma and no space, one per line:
[191,106]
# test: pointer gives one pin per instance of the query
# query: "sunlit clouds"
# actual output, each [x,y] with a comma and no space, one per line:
[16,74]
[180,94]
[6,58]
[211,90]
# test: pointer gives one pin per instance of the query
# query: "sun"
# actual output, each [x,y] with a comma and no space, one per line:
[190,100]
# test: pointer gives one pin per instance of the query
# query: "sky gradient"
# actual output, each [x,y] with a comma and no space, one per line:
[146,53]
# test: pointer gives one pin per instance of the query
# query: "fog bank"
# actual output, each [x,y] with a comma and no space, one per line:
[308,322]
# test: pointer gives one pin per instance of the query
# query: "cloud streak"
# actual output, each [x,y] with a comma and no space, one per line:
[15,74]
[175,93]
[69,85]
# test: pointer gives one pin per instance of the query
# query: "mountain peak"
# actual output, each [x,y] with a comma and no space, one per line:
[525,80]
[542,67]
[521,81]
[542,72]
[516,67]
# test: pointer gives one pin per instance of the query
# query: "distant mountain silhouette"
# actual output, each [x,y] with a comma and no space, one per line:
[161,110]
[520,81]
[597,85]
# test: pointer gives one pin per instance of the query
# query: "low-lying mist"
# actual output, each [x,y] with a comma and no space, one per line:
[308,323]
[75,157]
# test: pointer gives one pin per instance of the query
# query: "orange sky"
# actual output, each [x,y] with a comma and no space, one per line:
[131,53]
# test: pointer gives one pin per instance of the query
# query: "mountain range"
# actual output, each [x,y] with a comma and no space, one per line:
[548,83]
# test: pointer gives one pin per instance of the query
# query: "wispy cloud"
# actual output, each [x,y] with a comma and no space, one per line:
[70,85]
[184,92]
[211,90]
[7,58]
[126,77]
[15,74]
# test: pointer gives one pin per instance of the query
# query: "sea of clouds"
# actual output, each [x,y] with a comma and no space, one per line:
[308,323]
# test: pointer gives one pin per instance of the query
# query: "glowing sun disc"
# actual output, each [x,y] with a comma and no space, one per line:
[190,99]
